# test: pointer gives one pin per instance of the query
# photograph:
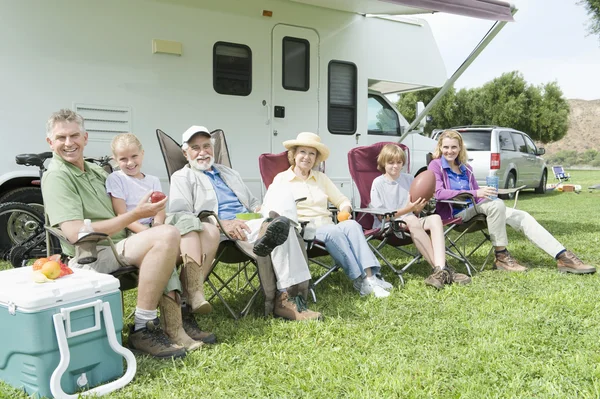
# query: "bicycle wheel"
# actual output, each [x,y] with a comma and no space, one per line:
[19,224]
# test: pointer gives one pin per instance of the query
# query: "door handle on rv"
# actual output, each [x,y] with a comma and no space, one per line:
[265,104]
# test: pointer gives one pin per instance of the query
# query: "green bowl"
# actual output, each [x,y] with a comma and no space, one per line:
[248,216]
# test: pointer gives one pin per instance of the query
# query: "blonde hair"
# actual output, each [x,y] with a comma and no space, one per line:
[451,134]
[124,139]
[66,116]
[389,153]
[292,157]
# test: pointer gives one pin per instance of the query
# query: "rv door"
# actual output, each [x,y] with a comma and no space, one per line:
[295,93]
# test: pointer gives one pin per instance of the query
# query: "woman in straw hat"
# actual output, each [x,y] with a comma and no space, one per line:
[344,241]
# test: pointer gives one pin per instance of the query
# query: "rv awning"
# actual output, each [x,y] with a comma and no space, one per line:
[486,9]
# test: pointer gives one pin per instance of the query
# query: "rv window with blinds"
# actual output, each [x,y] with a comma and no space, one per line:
[341,97]
[232,69]
[296,64]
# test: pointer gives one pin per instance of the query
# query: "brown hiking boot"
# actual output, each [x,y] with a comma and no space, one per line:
[438,278]
[273,233]
[192,283]
[568,262]
[294,308]
[170,315]
[193,330]
[504,261]
[458,278]
[153,341]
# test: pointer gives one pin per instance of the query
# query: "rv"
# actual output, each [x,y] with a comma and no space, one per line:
[260,70]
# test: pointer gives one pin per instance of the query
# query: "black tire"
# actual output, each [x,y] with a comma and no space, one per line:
[541,189]
[511,182]
[18,223]
[27,195]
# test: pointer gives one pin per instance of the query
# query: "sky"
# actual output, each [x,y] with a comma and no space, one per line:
[547,42]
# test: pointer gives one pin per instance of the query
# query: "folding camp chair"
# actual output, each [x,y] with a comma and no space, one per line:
[229,251]
[560,174]
[362,162]
[270,165]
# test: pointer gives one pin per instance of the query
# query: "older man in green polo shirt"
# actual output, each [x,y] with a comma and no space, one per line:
[74,190]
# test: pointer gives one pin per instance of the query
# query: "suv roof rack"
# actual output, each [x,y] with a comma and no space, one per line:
[475,126]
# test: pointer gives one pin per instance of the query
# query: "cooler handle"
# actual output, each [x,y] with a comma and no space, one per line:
[66,315]
[65,357]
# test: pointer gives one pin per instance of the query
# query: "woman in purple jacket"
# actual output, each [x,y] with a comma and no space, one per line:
[454,176]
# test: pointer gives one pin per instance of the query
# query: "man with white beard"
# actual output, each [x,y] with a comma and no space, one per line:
[202,185]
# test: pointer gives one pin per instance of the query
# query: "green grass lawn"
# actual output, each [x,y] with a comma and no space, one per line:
[532,335]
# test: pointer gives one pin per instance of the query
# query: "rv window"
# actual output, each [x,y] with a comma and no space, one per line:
[381,117]
[232,69]
[296,64]
[341,98]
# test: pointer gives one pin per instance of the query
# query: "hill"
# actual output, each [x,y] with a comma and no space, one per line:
[584,129]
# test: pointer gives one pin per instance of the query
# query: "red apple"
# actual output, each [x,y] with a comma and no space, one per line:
[157,196]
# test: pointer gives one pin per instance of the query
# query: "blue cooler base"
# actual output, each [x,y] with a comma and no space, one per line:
[29,351]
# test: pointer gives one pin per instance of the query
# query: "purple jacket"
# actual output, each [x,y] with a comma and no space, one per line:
[442,187]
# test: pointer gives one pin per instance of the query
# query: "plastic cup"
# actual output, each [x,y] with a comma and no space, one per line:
[492,181]
[248,216]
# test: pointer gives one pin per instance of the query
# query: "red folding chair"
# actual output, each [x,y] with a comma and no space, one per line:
[362,162]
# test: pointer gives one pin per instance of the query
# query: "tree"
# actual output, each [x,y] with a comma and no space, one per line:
[593,10]
[508,100]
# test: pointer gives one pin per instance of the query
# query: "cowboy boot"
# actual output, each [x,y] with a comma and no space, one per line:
[192,283]
[172,323]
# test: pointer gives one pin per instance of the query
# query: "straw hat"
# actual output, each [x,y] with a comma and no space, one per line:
[306,139]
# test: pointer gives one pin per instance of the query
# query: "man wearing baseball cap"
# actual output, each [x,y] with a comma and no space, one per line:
[203,185]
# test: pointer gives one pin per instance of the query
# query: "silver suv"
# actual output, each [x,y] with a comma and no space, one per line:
[511,153]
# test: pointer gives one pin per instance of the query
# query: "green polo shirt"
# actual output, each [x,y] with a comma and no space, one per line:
[70,194]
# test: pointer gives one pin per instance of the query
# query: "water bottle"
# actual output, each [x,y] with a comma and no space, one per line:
[492,181]
[310,231]
[85,229]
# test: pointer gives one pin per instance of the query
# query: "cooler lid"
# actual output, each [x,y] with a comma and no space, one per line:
[18,289]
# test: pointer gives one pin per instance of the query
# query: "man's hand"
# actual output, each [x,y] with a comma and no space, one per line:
[236,229]
[146,209]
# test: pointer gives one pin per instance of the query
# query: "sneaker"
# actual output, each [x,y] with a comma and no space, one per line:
[294,308]
[382,283]
[438,278]
[505,261]
[370,286]
[458,278]
[153,341]
[568,262]
[272,234]
[193,330]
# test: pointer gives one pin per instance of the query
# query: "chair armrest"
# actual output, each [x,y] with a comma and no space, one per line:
[515,190]
[206,214]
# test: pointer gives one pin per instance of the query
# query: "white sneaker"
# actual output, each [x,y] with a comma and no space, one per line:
[383,284]
[369,285]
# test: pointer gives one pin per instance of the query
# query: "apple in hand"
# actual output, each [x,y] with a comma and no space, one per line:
[157,196]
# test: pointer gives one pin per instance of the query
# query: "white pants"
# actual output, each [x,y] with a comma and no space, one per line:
[498,216]
[288,259]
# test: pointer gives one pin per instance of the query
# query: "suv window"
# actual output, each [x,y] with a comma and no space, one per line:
[476,140]
[506,142]
[530,145]
[381,117]
[519,142]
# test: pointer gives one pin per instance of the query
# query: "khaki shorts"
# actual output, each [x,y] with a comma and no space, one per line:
[106,262]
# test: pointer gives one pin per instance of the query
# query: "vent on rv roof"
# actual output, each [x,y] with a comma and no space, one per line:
[105,120]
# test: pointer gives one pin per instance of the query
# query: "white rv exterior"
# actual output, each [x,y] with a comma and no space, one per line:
[98,58]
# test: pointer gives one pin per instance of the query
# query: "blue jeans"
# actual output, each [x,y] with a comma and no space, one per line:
[347,245]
